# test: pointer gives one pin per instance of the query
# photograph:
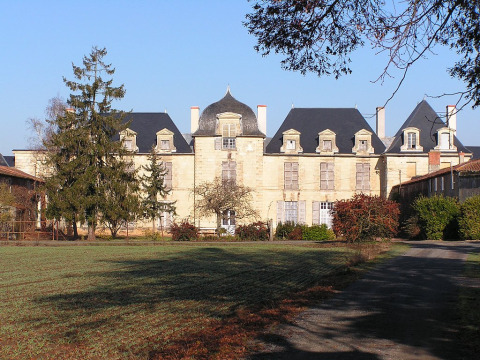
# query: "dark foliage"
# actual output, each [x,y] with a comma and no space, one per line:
[184,231]
[364,218]
[257,231]
[469,221]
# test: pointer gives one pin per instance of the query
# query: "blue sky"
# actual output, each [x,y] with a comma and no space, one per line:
[172,55]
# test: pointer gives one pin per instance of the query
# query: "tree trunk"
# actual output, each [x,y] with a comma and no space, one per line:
[219,223]
[91,232]
[75,230]
[153,226]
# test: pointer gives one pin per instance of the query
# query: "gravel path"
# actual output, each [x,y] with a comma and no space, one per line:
[401,310]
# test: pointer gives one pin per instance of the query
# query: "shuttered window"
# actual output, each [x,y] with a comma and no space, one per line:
[291,176]
[363,176]
[291,211]
[168,175]
[229,171]
[326,176]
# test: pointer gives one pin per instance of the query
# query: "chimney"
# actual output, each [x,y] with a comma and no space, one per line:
[194,116]
[461,157]
[452,118]
[380,122]
[262,118]
[433,161]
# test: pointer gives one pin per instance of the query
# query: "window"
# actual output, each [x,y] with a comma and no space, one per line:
[442,183]
[291,176]
[363,176]
[327,145]
[167,179]
[326,176]
[290,144]
[228,143]
[411,140]
[228,217]
[444,141]
[229,130]
[363,145]
[128,144]
[291,211]
[229,171]
[322,213]
[435,184]
[165,144]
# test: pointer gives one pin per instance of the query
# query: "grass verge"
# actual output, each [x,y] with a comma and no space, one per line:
[167,302]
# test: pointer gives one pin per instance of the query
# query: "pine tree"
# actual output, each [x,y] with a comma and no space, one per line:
[155,189]
[85,158]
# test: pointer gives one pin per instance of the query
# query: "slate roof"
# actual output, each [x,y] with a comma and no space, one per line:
[146,125]
[345,122]
[10,160]
[13,172]
[208,119]
[424,118]
[3,161]
[475,150]
[469,166]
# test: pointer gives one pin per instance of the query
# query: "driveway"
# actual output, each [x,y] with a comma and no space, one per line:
[404,309]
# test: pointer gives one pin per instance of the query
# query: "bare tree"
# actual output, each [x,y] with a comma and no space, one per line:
[219,196]
[42,129]
[319,35]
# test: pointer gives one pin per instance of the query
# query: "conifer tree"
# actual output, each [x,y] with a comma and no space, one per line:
[155,189]
[85,158]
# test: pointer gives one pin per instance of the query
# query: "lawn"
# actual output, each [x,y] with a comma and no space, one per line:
[147,302]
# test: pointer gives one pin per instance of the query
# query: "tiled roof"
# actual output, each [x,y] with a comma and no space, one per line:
[10,171]
[344,122]
[472,165]
[424,118]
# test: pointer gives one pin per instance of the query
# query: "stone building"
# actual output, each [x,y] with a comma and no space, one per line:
[317,156]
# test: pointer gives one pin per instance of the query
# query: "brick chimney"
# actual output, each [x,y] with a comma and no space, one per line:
[452,118]
[380,111]
[194,117]
[433,161]
[262,118]
[461,157]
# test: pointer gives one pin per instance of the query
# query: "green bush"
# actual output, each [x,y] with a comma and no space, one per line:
[437,217]
[255,231]
[469,221]
[317,232]
[284,229]
[184,231]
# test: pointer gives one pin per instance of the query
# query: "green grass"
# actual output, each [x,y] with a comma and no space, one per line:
[124,302]
[469,307]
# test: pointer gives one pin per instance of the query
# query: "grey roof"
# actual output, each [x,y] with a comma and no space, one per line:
[208,119]
[10,160]
[146,125]
[344,122]
[3,161]
[424,118]
[475,150]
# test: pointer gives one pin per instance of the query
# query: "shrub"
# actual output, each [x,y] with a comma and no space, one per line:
[254,231]
[317,232]
[296,233]
[469,221]
[184,231]
[365,217]
[437,216]
[284,229]
[411,228]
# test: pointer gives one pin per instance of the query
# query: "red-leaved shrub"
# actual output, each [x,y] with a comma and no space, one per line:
[184,231]
[364,218]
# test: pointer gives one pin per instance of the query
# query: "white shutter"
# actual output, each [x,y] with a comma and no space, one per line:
[302,216]
[316,212]
[279,212]
[218,143]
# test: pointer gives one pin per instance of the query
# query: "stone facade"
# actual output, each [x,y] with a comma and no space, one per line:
[317,156]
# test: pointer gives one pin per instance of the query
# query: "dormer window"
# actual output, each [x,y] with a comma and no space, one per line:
[291,142]
[411,140]
[445,140]
[128,138]
[165,141]
[228,127]
[326,142]
[363,143]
